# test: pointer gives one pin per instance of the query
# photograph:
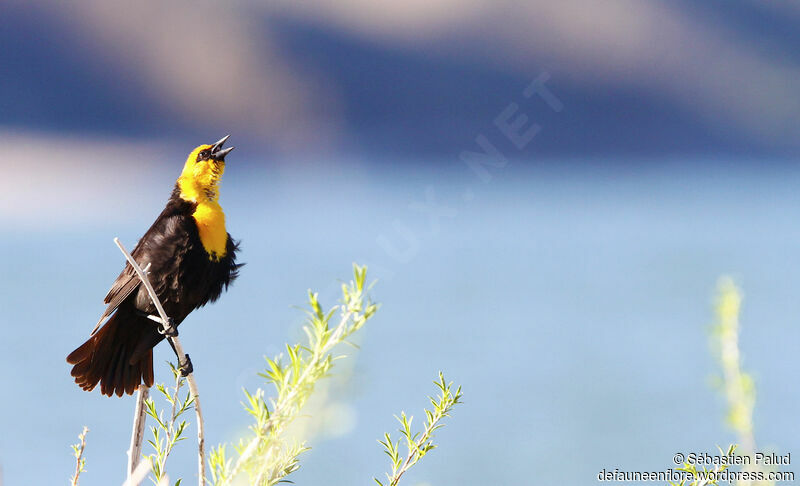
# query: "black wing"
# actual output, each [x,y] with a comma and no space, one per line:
[122,287]
[155,247]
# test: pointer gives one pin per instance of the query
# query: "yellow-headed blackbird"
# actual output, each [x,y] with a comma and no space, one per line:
[192,258]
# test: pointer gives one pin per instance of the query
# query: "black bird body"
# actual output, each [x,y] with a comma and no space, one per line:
[181,272]
[188,268]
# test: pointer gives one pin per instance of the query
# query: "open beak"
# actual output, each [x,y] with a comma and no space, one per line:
[217,152]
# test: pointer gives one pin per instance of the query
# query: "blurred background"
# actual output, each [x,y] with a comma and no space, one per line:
[636,152]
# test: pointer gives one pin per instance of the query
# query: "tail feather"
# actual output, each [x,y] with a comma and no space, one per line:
[127,379]
[147,373]
[112,377]
[108,358]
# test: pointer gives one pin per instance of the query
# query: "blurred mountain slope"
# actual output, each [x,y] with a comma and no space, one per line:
[413,79]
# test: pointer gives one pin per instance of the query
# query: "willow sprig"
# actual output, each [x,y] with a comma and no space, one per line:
[418,444]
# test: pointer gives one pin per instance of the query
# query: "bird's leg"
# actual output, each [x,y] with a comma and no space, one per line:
[170,330]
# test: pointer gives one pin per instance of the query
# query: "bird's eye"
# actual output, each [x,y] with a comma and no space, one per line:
[203,155]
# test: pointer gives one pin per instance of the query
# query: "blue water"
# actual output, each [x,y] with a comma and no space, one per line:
[571,302]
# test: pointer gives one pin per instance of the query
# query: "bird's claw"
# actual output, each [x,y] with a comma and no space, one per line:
[170,330]
[186,367]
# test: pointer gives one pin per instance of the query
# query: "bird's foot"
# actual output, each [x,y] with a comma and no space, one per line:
[169,330]
[186,366]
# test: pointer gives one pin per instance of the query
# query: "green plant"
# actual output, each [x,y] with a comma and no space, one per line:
[704,476]
[267,457]
[77,452]
[168,431]
[418,444]
[737,385]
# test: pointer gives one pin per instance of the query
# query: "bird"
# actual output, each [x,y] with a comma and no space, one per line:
[192,260]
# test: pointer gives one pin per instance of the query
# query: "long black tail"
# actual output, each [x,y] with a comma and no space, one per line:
[119,356]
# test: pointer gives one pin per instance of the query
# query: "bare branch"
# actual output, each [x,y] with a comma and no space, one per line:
[165,321]
[137,435]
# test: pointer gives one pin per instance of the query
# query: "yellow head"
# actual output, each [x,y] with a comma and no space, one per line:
[202,172]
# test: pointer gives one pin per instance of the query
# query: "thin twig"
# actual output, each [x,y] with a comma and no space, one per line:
[79,462]
[170,429]
[137,435]
[413,456]
[201,465]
